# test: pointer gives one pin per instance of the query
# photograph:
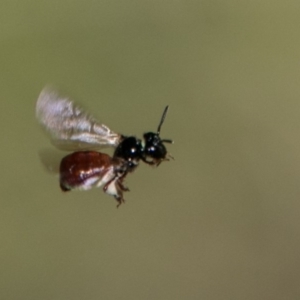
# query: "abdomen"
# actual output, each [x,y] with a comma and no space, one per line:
[84,170]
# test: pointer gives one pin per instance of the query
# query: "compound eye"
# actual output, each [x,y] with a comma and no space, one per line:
[158,152]
[151,150]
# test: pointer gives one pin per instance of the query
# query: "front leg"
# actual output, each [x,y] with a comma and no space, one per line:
[149,162]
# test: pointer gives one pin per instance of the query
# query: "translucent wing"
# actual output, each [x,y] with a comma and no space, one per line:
[70,127]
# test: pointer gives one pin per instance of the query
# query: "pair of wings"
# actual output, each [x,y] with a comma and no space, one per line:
[69,126]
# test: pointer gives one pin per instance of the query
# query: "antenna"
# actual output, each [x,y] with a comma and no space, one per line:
[160,124]
[162,119]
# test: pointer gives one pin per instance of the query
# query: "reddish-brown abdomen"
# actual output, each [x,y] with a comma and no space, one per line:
[82,169]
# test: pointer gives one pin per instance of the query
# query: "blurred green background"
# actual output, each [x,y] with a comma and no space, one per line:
[219,222]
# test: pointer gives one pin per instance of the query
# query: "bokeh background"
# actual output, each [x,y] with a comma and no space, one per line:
[219,222]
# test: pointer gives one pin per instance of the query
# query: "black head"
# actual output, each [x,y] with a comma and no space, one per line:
[131,150]
[153,144]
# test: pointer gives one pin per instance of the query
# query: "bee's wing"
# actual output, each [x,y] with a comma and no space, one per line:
[70,127]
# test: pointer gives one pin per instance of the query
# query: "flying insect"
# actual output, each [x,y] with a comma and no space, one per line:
[73,129]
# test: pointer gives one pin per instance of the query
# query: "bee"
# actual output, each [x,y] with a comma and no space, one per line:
[73,129]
